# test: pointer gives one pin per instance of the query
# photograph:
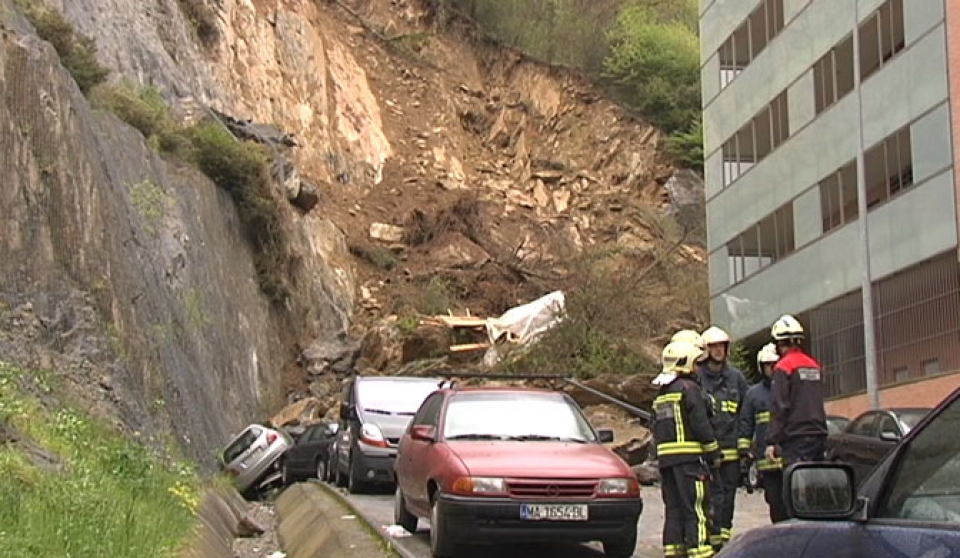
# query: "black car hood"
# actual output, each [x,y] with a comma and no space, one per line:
[843,539]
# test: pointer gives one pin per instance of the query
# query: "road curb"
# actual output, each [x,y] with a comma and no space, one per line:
[372,525]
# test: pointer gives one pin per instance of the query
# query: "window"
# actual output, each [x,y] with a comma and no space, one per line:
[888,167]
[864,426]
[888,425]
[515,416]
[429,413]
[838,197]
[833,75]
[924,480]
[881,37]
[931,367]
[901,374]
[748,41]
[756,139]
[241,445]
[762,244]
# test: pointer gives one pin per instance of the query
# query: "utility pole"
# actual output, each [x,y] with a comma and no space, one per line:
[866,283]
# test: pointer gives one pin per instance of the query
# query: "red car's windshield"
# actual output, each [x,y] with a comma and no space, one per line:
[515,416]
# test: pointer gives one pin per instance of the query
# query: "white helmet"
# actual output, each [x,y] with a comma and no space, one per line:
[787,327]
[767,355]
[692,337]
[679,357]
[714,335]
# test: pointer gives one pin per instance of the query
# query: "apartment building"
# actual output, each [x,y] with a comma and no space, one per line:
[783,121]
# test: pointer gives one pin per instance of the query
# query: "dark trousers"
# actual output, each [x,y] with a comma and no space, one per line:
[773,494]
[803,448]
[723,495]
[686,529]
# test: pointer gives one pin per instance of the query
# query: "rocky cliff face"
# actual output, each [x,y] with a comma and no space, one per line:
[126,273]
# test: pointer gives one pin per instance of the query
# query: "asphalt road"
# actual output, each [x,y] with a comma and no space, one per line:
[378,509]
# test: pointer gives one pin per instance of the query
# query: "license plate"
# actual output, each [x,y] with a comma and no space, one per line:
[553,512]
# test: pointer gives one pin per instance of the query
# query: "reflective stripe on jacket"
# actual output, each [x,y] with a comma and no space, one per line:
[727,390]
[681,429]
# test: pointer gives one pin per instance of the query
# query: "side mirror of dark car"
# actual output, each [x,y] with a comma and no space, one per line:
[819,491]
[424,433]
[889,436]
[605,435]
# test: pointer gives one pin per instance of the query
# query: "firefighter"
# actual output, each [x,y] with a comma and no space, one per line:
[686,450]
[753,429]
[691,336]
[798,422]
[726,386]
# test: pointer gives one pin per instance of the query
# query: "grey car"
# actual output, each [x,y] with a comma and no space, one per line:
[253,455]
[374,413]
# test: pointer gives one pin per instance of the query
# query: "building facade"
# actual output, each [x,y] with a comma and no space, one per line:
[783,121]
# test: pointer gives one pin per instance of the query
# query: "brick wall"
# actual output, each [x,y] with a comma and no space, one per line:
[923,393]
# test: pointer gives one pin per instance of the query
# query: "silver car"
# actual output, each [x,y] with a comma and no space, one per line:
[252,455]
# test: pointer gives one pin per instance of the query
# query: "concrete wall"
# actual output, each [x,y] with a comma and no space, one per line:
[924,393]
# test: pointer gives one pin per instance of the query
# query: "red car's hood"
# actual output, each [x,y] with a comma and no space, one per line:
[539,459]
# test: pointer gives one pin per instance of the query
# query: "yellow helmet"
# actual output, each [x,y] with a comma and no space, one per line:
[787,327]
[687,336]
[714,335]
[767,355]
[680,357]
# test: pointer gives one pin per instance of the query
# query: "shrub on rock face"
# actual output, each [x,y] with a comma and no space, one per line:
[77,53]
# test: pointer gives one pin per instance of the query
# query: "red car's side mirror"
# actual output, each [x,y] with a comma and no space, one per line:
[424,433]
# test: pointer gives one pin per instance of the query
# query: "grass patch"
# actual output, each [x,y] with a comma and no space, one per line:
[378,256]
[144,109]
[436,297]
[150,201]
[109,497]
[77,53]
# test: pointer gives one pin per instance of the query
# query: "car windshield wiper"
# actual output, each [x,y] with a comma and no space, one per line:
[541,437]
[377,411]
[477,437]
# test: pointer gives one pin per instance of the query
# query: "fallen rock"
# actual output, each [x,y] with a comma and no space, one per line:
[631,441]
[386,233]
[249,527]
[519,198]
[540,194]
[647,473]
[456,251]
[307,198]
[561,200]
[306,411]
[425,343]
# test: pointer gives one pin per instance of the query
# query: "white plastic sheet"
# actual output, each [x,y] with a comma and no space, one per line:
[521,325]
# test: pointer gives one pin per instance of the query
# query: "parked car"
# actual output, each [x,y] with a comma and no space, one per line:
[253,455]
[309,456]
[513,465]
[908,506]
[870,436]
[836,424]
[374,412]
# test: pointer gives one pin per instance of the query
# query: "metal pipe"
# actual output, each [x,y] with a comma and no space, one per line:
[645,415]
[866,282]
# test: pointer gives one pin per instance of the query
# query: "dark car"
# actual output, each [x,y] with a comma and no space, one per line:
[374,413]
[836,424]
[908,506]
[870,436]
[308,458]
[513,465]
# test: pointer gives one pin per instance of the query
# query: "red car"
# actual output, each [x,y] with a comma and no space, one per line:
[513,465]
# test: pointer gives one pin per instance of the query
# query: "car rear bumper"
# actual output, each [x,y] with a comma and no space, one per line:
[476,520]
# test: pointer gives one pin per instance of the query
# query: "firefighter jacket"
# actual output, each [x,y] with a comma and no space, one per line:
[681,428]
[754,425]
[797,398]
[726,390]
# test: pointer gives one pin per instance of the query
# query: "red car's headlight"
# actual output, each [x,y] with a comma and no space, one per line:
[479,485]
[618,487]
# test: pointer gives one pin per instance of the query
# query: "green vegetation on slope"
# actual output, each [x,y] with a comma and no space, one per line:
[102,495]
[644,52]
